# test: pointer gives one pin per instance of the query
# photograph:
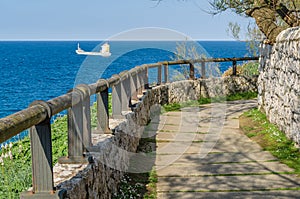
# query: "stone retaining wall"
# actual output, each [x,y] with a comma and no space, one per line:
[279,82]
[192,90]
[111,153]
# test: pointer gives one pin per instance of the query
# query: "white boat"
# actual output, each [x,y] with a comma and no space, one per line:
[103,52]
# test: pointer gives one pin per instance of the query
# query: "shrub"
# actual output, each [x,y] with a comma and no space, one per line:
[247,69]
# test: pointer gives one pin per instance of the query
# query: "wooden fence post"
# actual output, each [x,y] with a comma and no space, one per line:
[159,74]
[134,84]
[234,68]
[139,84]
[203,70]
[133,87]
[192,71]
[143,82]
[117,99]
[86,115]
[145,78]
[41,157]
[166,70]
[102,110]
[126,93]
[75,131]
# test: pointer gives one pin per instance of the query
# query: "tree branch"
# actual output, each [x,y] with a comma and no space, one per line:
[287,16]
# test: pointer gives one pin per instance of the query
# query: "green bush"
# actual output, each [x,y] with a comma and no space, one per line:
[250,69]
[247,69]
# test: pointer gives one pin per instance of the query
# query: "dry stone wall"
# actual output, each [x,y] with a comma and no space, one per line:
[279,82]
[186,90]
[110,155]
[214,87]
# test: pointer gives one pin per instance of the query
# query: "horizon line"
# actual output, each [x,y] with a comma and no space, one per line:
[102,40]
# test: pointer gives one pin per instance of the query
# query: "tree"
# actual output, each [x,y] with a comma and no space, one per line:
[271,16]
[253,36]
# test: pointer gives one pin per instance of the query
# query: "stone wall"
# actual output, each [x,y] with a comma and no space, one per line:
[279,82]
[214,87]
[109,157]
[192,90]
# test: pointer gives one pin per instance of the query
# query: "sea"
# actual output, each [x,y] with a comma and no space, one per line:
[41,70]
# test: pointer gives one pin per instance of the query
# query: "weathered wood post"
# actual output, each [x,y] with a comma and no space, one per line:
[117,90]
[86,115]
[126,91]
[121,92]
[143,82]
[145,78]
[134,84]
[234,67]
[159,74]
[166,70]
[139,82]
[102,109]
[41,157]
[75,131]
[192,71]
[203,70]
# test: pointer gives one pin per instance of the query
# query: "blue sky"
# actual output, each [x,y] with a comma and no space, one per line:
[100,19]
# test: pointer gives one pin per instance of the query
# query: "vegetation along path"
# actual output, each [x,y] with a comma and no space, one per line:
[201,153]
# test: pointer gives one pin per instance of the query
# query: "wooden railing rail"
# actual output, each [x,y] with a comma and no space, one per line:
[126,86]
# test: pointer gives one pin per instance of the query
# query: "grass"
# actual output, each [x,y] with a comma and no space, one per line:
[94,111]
[137,185]
[195,103]
[16,170]
[151,185]
[256,126]
[241,96]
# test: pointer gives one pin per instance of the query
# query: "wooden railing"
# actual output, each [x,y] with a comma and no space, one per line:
[126,86]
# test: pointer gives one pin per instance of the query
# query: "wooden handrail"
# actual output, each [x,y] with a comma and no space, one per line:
[20,121]
[24,119]
[188,61]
